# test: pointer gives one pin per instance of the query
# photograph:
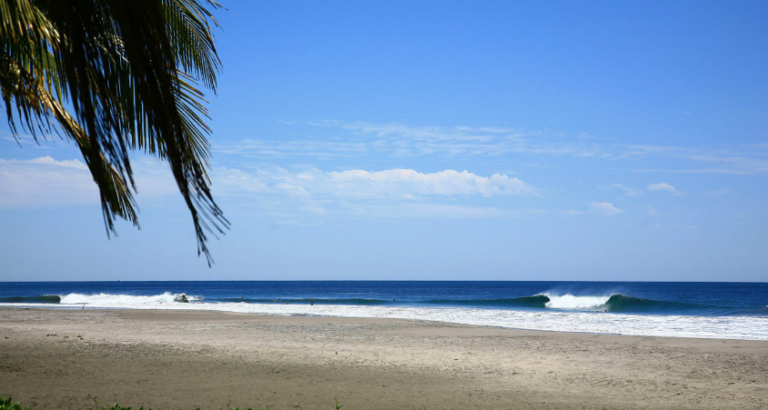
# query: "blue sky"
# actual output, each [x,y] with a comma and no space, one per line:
[443,140]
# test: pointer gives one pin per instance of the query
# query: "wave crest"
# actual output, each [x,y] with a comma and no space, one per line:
[568,301]
[124,301]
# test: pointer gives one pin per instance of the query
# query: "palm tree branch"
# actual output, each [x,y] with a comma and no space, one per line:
[129,71]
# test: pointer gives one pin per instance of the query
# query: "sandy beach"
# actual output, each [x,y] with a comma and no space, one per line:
[51,359]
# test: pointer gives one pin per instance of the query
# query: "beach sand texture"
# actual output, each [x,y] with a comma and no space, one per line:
[62,359]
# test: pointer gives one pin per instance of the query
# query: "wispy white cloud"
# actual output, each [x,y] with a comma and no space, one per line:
[627,191]
[406,140]
[386,184]
[351,139]
[322,148]
[604,208]
[741,160]
[718,192]
[46,182]
[597,208]
[388,193]
[663,187]
[49,143]
[43,182]
[428,211]
[407,182]
[48,160]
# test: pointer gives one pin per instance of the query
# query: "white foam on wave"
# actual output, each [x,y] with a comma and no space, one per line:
[107,300]
[568,301]
[723,327]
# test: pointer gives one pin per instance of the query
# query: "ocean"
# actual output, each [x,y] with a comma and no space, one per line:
[697,310]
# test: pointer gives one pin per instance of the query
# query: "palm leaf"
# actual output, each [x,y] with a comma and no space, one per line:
[129,70]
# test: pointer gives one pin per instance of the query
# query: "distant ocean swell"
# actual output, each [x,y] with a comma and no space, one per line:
[32,299]
[323,301]
[565,313]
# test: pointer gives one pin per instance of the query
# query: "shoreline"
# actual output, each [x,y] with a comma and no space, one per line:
[183,359]
[587,322]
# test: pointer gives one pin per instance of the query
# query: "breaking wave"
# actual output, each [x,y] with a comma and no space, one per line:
[108,300]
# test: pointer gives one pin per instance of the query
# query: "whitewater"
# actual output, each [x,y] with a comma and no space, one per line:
[562,313]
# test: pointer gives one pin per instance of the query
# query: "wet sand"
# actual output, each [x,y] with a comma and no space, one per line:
[51,359]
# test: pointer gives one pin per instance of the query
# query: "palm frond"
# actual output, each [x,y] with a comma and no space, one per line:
[129,70]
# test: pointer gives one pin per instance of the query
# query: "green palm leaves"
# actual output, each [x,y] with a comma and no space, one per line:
[127,71]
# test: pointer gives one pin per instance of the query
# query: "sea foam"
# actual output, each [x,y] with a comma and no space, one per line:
[106,300]
[576,302]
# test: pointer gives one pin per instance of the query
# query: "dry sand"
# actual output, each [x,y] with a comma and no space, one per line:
[52,359]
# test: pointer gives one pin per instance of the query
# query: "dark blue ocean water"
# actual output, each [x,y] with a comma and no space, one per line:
[636,298]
